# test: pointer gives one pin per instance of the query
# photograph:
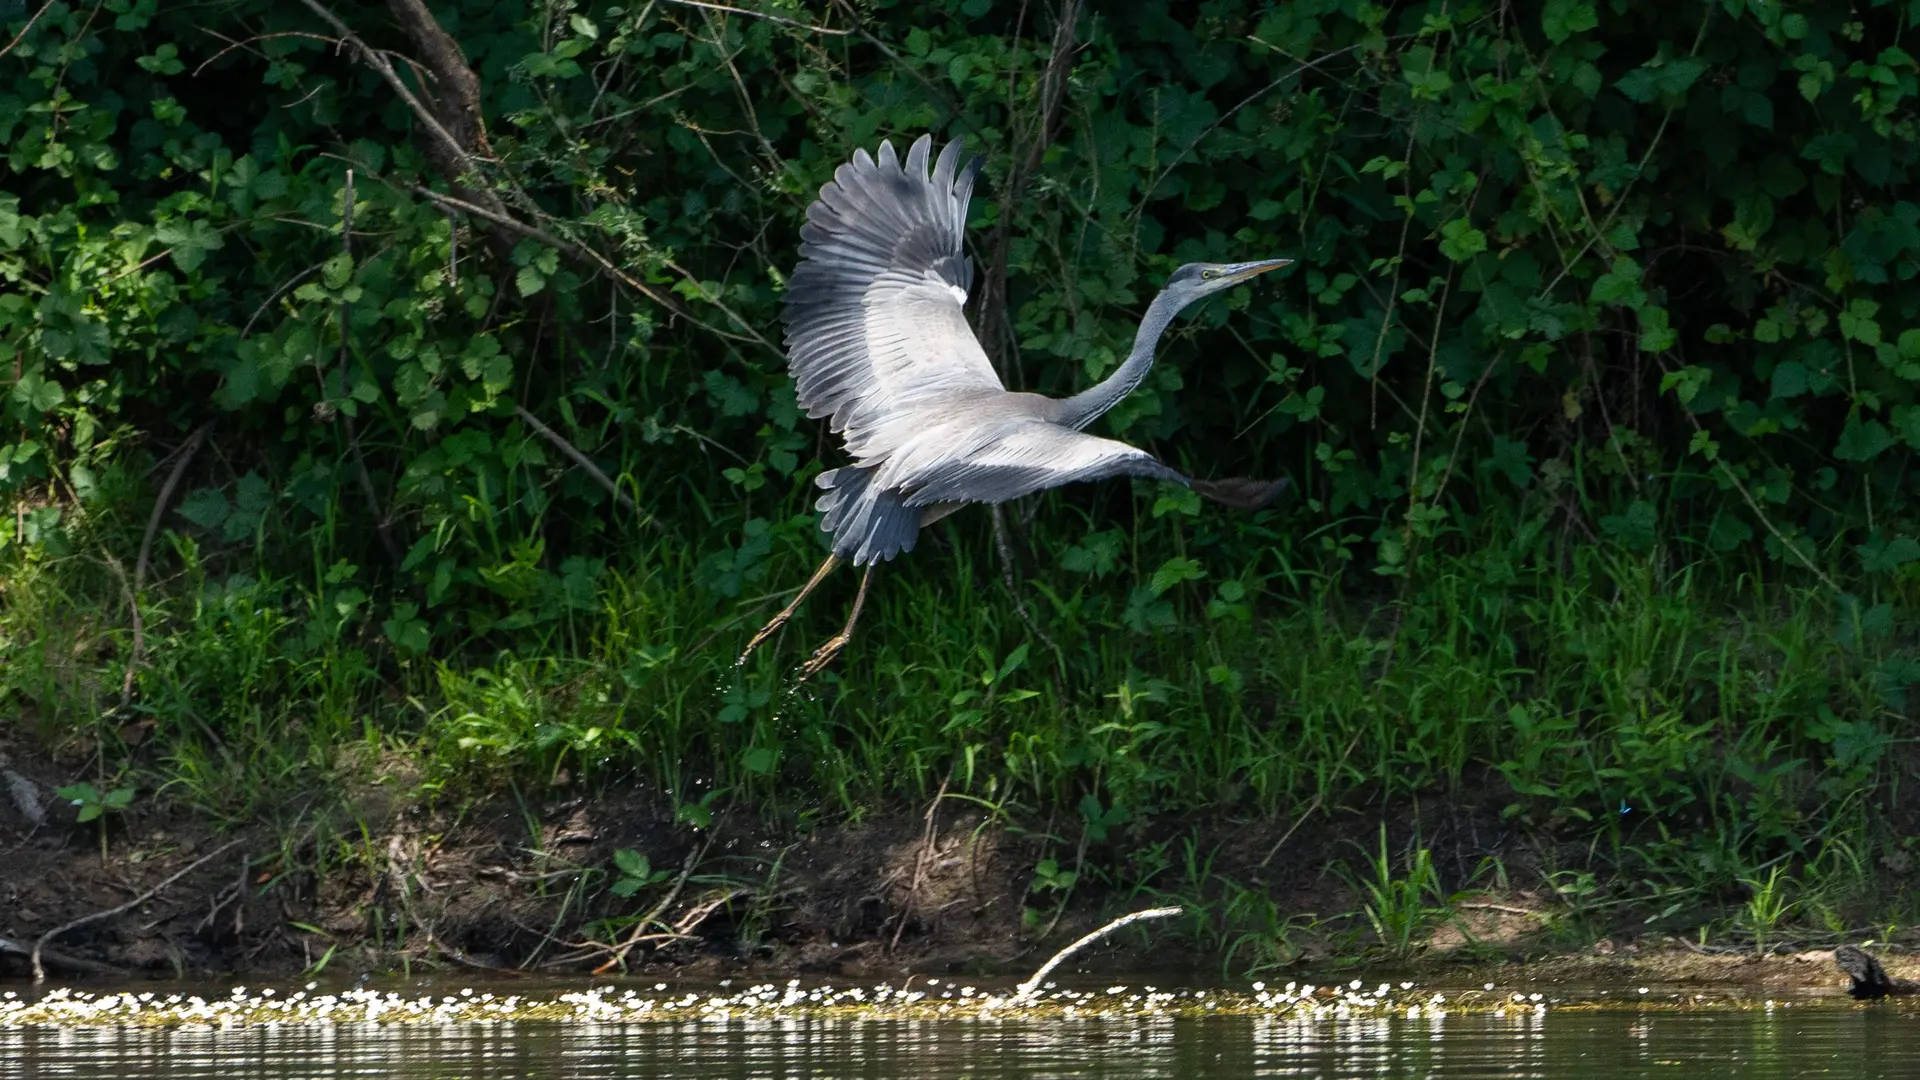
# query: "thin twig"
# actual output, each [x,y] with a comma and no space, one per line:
[1026,989]
[24,29]
[346,359]
[244,42]
[1003,546]
[1754,504]
[761,15]
[929,838]
[639,930]
[277,294]
[184,456]
[1318,798]
[139,627]
[40,973]
[508,221]
[1479,905]
[1299,69]
[573,452]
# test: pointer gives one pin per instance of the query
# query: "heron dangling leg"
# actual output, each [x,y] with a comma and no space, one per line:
[786,613]
[824,655]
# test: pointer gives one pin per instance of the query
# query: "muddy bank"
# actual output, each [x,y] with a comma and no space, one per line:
[363,879]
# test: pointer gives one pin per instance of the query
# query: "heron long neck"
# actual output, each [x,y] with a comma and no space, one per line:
[1088,405]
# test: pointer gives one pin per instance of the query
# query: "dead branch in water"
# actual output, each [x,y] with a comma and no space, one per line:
[1026,989]
[59,959]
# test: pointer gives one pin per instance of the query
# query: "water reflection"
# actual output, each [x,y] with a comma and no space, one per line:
[1861,1043]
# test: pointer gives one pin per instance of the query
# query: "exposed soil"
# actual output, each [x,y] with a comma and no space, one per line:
[511,885]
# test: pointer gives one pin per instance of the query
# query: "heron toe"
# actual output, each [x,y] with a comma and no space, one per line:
[823,656]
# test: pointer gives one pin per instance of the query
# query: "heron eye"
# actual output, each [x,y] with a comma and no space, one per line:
[1209,274]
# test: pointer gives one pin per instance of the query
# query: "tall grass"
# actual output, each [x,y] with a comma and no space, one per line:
[1684,722]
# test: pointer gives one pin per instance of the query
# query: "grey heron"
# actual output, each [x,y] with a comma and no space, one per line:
[878,345]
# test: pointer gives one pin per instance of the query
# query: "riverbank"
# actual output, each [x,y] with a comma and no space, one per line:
[575,882]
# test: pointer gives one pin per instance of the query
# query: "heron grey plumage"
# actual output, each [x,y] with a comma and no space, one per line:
[879,347]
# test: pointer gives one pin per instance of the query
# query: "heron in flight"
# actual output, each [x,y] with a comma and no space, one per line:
[878,344]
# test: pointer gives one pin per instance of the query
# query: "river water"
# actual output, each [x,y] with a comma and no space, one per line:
[1667,1033]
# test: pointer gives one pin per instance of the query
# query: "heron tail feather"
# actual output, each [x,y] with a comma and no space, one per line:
[868,524]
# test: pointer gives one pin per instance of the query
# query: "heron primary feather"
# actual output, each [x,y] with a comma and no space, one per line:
[879,346]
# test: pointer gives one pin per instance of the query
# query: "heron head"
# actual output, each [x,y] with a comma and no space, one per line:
[1195,280]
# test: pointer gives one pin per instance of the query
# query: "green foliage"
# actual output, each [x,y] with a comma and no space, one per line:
[93,803]
[635,873]
[1403,910]
[1597,376]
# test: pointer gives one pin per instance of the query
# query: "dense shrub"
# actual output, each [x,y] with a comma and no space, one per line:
[1634,278]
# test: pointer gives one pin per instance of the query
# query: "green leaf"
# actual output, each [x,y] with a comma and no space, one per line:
[1635,528]
[632,863]
[189,241]
[1789,380]
[207,508]
[1098,554]
[1173,572]
[731,395]
[1620,285]
[1461,241]
[1862,440]
[1857,323]
[406,630]
[1686,383]
[79,794]
[1704,444]
[1561,19]
[529,281]
[1183,501]
[1882,557]
[1830,151]
[759,760]
[337,271]
[40,394]
[1512,459]
[1013,661]
[1677,75]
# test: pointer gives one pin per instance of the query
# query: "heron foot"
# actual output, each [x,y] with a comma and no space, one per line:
[760,638]
[823,656]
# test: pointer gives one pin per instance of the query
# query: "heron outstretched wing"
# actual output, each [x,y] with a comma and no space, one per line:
[875,329]
[1027,456]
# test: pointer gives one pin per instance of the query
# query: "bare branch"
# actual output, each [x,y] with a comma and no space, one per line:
[39,946]
[458,91]
[755,14]
[577,251]
[452,156]
[244,42]
[59,959]
[573,453]
[182,458]
[1026,989]
[29,26]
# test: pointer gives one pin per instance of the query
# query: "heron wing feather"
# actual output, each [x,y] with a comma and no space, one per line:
[876,334]
[1029,456]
